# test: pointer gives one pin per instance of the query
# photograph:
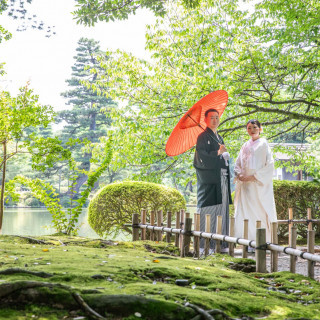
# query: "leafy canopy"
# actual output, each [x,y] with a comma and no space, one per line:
[21,112]
[265,55]
[89,12]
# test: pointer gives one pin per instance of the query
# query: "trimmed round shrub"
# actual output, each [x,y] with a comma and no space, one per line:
[299,195]
[114,205]
[32,202]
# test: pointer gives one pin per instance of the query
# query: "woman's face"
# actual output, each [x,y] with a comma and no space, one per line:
[253,131]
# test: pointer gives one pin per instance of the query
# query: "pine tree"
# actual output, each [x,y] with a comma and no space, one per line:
[88,118]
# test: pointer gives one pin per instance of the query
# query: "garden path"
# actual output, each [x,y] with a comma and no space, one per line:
[284,262]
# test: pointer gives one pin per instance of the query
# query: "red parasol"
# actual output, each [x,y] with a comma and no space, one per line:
[185,134]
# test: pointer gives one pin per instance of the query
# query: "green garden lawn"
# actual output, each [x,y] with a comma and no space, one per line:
[137,280]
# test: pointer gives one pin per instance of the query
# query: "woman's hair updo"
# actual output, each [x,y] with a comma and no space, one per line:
[254,121]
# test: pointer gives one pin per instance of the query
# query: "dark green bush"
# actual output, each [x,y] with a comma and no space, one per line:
[113,205]
[299,195]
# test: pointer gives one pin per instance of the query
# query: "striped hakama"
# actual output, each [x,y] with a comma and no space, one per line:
[217,210]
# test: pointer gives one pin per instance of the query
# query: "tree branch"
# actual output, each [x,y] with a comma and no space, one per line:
[292,115]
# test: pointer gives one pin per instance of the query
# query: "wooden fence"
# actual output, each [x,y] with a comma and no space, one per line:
[183,235]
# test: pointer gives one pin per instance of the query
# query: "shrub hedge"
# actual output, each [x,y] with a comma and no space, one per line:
[299,195]
[113,205]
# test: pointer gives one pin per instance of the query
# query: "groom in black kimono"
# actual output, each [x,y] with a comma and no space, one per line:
[213,176]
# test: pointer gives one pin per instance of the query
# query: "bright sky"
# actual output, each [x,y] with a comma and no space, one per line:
[46,62]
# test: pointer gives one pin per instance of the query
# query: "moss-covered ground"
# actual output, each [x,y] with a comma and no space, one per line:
[95,268]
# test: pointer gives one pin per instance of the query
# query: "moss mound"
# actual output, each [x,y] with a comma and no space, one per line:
[115,204]
[127,280]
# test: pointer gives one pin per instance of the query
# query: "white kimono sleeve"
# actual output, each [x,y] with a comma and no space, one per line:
[264,174]
[238,167]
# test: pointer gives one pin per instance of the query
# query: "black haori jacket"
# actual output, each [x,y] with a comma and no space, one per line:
[208,167]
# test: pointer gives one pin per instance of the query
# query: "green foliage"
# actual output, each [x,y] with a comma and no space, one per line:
[89,118]
[114,205]
[90,12]
[93,177]
[21,112]
[46,194]
[299,195]
[46,152]
[10,192]
[62,220]
[18,115]
[23,11]
[265,57]
[4,34]
[3,5]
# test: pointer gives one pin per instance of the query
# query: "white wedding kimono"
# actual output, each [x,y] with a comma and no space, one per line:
[254,200]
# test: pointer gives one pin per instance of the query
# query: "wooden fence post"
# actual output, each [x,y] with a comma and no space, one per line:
[143,221]
[181,218]
[181,226]
[177,236]
[231,233]
[290,224]
[152,222]
[186,237]
[207,229]
[135,231]
[219,231]
[196,240]
[293,244]
[168,236]
[309,218]
[260,253]
[187,215]
[245,236]
[258,224]
[311,241]
[274,240]
[159,224]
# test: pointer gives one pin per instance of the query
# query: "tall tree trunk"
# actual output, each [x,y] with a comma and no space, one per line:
[4,145]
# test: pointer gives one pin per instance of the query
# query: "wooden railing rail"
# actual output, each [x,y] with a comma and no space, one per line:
[184,233]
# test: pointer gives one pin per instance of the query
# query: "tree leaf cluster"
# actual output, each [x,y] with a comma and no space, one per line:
[89,12]
[21,10]
[19,115]
[265,57]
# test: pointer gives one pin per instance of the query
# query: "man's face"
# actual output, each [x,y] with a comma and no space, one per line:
[212,120]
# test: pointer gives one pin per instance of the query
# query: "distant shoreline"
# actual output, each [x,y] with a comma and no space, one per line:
[14,207]
[192,205]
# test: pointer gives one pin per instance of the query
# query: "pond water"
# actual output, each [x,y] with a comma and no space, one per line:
[36,222]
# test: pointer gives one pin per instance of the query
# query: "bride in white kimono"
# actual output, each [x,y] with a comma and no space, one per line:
[254,199]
